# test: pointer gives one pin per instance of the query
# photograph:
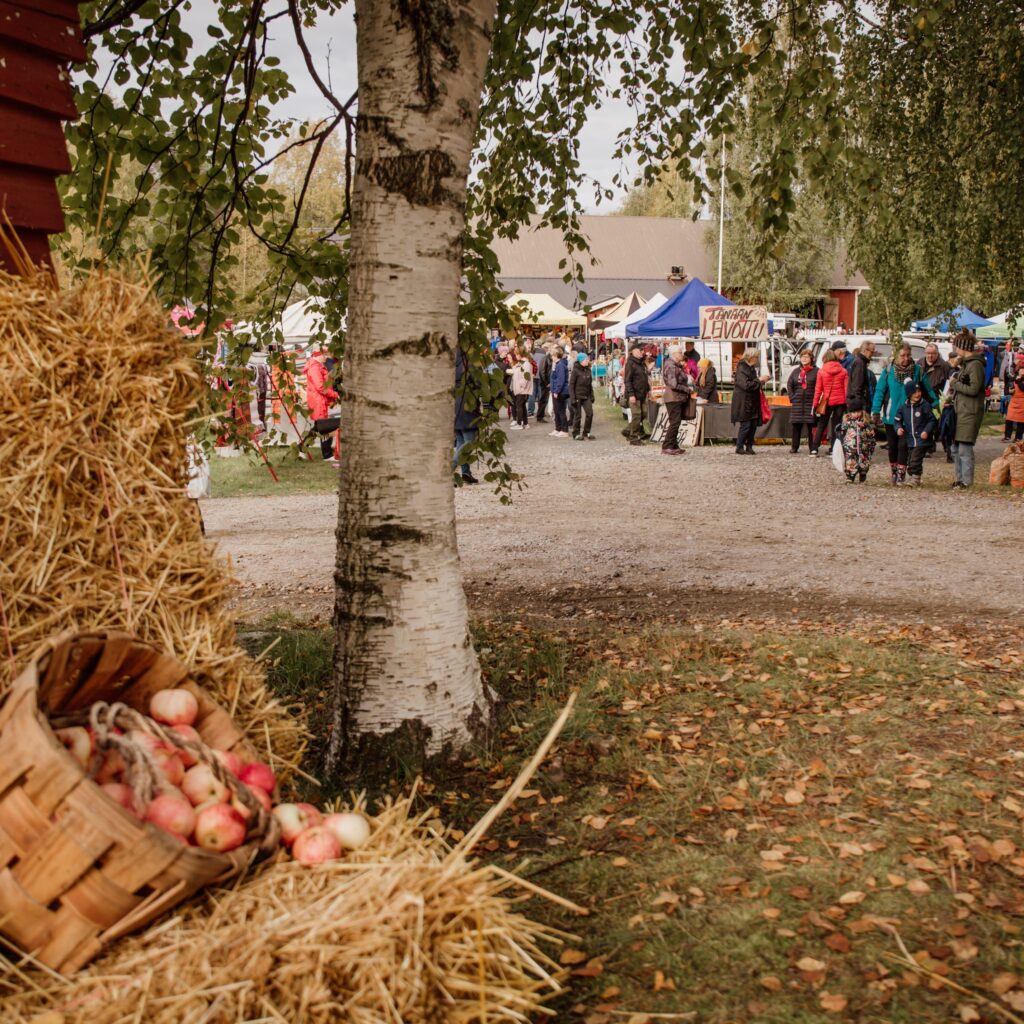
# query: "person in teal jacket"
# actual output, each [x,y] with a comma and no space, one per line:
[890,396]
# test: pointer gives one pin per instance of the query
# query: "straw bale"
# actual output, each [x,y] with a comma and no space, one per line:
[96,394]
[406,929]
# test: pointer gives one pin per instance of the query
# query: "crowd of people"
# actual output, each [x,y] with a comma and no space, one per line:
[917,406]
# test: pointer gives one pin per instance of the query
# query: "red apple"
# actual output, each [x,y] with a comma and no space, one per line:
[293,820]
[171,813]
[263,796]
[200,785]
[243,810]
[174,707]
[256,773]
[351,830]
[232,762]
[313,815]
[171,767]
[77,743]
[219,827]
[186,732]
[316,845]
[122,794]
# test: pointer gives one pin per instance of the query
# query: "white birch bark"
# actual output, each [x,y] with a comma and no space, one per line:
[404,657]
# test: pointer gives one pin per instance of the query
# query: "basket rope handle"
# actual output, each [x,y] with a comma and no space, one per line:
[141,770]
[144,773]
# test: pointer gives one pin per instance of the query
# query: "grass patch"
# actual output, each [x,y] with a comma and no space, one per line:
[992,424]
[248,475]
[752,815]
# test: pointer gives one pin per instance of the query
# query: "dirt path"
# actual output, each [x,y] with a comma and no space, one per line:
[603,525]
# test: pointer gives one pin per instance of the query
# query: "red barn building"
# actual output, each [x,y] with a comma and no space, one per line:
[38,38]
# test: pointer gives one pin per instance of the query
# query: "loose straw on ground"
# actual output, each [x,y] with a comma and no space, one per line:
[96,391]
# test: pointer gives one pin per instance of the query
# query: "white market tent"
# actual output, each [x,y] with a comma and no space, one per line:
[298,323]
[619,330]
[301,320]
[544,311]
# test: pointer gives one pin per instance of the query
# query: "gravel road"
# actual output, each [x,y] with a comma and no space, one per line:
[603,523]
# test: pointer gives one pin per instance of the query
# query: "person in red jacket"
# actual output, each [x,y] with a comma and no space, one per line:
[319,397]
[830,391]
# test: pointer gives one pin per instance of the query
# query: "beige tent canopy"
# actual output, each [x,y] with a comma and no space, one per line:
[544,311]
[630,304]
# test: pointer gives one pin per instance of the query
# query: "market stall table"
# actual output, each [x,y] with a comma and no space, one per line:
[718,425]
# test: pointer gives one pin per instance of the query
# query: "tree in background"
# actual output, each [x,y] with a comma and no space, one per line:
[931,192]
[795,274]
[671,194]
[795,271]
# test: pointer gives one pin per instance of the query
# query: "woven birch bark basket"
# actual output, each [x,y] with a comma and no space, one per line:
[77,871]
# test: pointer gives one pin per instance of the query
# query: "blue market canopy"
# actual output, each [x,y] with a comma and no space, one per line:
[680,316]
[952,320]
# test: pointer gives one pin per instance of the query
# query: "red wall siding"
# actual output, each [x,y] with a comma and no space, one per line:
[37,40]
[847,299]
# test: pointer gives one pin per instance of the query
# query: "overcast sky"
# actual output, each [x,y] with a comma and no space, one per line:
[332,43]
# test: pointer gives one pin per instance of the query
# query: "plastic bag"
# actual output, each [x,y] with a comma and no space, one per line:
[999,473]
[198,473]
[1016,463]
[838,458]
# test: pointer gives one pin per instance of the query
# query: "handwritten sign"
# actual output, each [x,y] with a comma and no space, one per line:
[734,323]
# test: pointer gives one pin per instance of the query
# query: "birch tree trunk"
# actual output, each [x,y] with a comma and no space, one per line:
[405,666]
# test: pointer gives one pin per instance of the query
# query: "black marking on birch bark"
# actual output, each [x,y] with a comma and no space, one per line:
[432,23]
[418,175]
[369,125]
[371,403]
[389,534]
[433,343]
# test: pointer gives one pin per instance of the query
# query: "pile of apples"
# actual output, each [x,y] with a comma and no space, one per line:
[192,805]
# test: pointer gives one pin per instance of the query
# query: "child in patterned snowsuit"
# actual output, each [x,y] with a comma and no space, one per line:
[857,436]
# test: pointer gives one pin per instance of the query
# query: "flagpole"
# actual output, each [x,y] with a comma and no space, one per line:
[721,221]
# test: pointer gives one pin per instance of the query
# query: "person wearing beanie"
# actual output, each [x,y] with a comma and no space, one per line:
[636,380]
[968,390]
[857,437]
[581,390]
[843,356]
[891,395]
[915,428]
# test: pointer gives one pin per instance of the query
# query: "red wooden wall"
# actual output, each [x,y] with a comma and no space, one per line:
[38,38]
[847,299]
